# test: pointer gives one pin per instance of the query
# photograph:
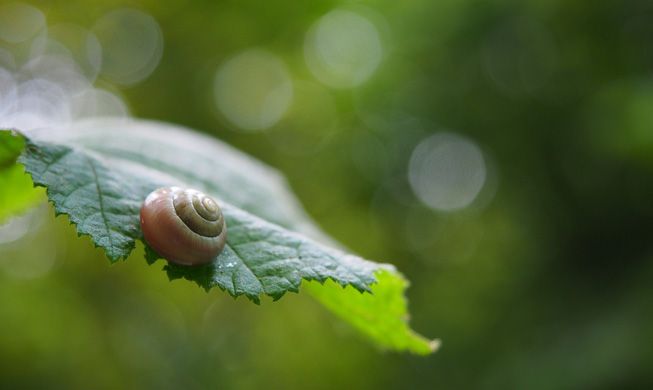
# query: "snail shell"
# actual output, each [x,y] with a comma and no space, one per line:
[184,226]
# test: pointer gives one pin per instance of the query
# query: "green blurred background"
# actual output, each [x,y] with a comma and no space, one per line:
[499,153]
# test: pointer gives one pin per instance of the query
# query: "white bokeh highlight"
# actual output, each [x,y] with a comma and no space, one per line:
[52,91]
[253,89]
[447,171]
[73,42]
[343,49]
[7,60]
[97,102]
[47,73]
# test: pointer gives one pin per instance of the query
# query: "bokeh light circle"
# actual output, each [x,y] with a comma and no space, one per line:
[47,80]
[132,45]
[20,22]
[253,89]
[97,102]
[343,49]
[60,69]
[18,259]
[35,103]
[447,171]
[74,42]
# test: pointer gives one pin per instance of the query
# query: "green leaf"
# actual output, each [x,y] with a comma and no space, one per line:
[99,172]
[16,190]
[10,148]
[386,308]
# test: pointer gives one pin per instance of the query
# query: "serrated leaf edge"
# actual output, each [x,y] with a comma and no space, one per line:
[256,298]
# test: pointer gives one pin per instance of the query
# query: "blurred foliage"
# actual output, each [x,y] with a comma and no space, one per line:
[16,192]
[546,285]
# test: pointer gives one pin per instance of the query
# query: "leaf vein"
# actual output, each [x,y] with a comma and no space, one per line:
[52,163]
[242,260]
[101,200]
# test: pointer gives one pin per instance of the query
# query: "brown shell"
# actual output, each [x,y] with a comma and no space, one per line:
[184,226]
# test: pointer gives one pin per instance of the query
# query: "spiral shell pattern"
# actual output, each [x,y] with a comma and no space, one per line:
[185,226]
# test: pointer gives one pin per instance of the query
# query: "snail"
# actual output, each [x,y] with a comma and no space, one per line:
[184,226]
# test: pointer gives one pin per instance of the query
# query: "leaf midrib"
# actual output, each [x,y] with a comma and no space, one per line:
[100,199]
